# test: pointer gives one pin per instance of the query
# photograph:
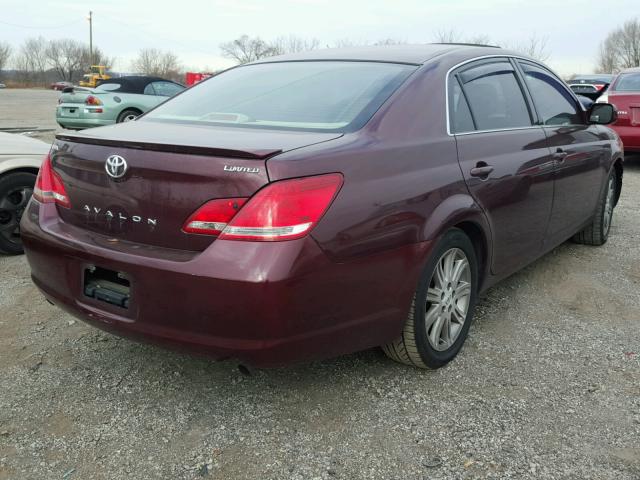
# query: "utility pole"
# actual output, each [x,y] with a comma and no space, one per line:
[90,38]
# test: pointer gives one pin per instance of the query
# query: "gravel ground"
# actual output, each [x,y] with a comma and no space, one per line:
[547,386]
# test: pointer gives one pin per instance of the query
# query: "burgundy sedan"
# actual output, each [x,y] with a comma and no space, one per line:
[311,205]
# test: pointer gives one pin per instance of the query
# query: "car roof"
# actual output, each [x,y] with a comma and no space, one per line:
[631,70]
[134,83]
[411,54]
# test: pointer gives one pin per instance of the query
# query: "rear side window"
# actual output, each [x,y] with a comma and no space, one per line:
[495,97]
[628,82]
[166,89]
[461,120]
[555,105]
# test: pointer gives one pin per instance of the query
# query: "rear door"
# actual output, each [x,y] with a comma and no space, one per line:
[504,158]
[579,152]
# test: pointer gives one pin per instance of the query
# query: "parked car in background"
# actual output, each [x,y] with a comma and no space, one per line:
[20,159]
[624,94]
[592,85]
[60,85]
[115,100]
[2,85]
[314,204]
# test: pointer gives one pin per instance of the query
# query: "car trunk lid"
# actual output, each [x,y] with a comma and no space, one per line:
[628,107]
[172,171]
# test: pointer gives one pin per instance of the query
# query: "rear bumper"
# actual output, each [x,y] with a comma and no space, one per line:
[263,303]
[85,119]
[630,136]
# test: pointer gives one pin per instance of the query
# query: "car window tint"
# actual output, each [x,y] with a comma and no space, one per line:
[461,120]
[149,90]
[166,89]
[311,95]
[554,103]
[628,82]
[496,100]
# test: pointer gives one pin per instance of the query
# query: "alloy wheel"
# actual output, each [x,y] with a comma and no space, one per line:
[448,299]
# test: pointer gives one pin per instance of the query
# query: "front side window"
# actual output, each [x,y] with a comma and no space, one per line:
[311,95]
[628,82]
[553,102]
[495,97]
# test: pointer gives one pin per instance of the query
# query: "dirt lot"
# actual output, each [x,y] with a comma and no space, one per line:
[547,386]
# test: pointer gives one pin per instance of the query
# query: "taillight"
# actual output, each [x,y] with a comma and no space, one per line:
[284,210]
[49,187]
[213,216]
[91,100]
[599,86]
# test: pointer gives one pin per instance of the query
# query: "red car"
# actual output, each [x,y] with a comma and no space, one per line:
[60,85]
[311,205]
[624,94]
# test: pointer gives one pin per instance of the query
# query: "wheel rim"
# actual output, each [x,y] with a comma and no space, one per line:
[448,299]
[12,206]
[131,116]
[608,206]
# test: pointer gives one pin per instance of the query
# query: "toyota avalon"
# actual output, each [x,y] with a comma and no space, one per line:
[306,206]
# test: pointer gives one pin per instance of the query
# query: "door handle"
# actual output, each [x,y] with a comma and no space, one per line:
[481,170]
[560,155]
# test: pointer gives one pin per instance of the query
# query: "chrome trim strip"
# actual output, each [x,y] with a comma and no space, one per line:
[507,56]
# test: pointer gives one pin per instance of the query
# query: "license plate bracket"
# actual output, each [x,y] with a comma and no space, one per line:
[107,286]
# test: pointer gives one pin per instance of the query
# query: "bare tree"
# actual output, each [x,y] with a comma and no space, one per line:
[158,63]
[245,49]
[447,36]
[453,36]
[608,61]
[293,44]
[390,41]
[31,60]
[621,48]
[5,53]
[67,57]
[535,47]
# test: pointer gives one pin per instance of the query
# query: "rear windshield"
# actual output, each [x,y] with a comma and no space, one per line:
[628,82]
[319,95]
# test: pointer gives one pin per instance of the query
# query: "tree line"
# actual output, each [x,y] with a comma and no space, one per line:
[37,60]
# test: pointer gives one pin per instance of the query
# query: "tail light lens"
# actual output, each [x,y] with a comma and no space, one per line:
[49,187]
[599,86]
[284,210]
[91,100]
[213,216]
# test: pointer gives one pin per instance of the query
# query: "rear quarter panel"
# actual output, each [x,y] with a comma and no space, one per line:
[402,181]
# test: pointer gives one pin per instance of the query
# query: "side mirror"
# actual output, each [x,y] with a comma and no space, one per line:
[602,114]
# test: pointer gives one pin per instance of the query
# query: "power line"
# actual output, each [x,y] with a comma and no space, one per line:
[40,27]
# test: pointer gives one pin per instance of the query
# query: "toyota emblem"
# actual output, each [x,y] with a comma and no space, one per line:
[116,166]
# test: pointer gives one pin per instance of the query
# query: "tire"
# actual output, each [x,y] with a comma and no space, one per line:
[128,115]
[597,232]
[15,191]
[416,344]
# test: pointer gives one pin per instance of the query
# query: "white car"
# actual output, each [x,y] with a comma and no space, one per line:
[20,159]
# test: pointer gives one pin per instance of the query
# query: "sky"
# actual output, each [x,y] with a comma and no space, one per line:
[194,29]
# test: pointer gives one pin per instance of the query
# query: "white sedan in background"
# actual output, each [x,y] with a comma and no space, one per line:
[20,159]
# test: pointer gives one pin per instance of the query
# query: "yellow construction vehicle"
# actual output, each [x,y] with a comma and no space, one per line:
[97,73]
